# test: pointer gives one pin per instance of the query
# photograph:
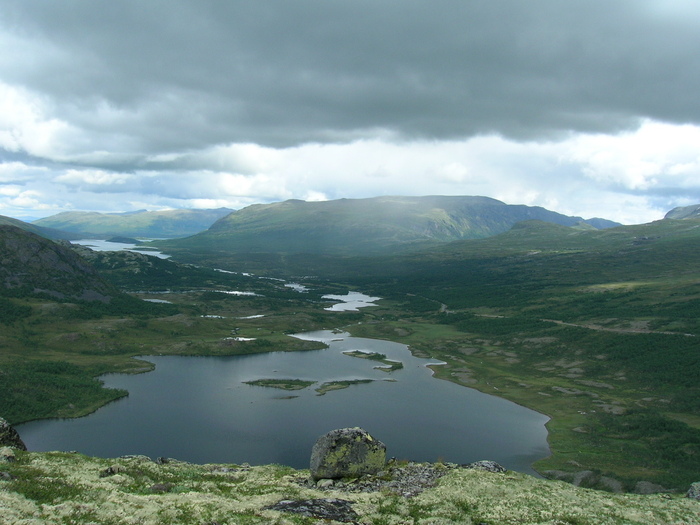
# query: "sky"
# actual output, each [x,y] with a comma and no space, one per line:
[589,108]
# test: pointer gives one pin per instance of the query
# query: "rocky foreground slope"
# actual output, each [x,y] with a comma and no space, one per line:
[40,488]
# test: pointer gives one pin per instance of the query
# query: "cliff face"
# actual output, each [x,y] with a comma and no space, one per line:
[30,264]
[62,487]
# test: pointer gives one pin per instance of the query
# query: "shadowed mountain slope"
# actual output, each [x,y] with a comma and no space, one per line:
[32,265]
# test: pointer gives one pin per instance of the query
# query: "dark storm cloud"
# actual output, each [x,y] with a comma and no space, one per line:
[156,76]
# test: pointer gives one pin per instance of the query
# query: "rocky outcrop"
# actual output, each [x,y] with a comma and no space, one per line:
[138,489]
[408,479]
[694,491]
[487,466]
[325,509]
[9,436]
[346,453]
[31,265]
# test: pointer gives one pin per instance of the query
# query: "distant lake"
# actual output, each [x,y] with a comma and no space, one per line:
[103,245]
[199,409]
[350,302]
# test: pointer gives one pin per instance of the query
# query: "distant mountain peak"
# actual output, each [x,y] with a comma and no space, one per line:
[684,212]
[368,226]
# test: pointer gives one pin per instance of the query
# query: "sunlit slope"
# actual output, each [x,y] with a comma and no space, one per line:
[165,223]
[380,225]
[49,233]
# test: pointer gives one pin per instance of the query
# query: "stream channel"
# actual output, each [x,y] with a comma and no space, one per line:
[200,409]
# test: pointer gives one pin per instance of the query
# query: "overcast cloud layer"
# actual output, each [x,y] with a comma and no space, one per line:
[586,107]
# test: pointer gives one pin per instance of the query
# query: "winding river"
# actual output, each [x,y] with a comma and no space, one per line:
[201,409]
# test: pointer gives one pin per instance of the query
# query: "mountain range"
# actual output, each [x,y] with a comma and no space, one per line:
[596,328]
[142,223]
[373,226]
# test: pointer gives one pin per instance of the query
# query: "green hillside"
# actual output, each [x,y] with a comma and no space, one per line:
[154,224]
[597,329]
[49,233]
[375,226]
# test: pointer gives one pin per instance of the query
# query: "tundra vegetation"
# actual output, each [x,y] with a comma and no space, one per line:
[597,329]
[71,488]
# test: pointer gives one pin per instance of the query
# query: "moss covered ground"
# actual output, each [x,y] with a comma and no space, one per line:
[40,488]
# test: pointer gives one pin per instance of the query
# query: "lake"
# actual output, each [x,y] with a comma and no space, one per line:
[199,409]
[103,245]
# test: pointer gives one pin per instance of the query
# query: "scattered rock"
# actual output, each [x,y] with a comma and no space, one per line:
[9,436]
[161,488]
[487,465]
[111,471]
[611,484]
[326,509]
[647,487]
[346,453]
[412,479]
[7,455]
[325,483]
[407,480]
[694,491]
[586,477]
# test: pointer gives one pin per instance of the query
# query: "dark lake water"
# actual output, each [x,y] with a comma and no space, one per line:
[198,409]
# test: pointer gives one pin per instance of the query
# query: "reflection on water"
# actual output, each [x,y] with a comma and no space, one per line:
[199,409]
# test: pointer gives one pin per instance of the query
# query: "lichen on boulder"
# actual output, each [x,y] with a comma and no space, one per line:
[9,436]
[346,453]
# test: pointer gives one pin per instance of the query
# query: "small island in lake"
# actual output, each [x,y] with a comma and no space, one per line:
[284,384]
[339,385]
[389,365]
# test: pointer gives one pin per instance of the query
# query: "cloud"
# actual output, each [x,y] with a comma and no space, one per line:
[585,107]
[96,180]
[283,73]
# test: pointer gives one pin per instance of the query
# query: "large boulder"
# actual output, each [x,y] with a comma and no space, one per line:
[347,453]
[9,436]
[694,491]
